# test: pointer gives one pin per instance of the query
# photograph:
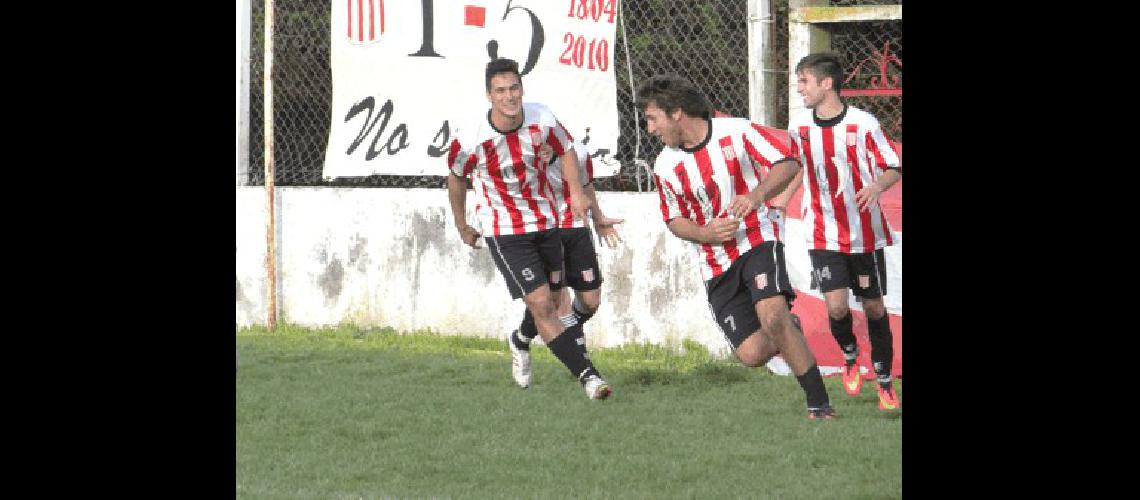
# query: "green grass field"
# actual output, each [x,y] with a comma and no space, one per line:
[350,413]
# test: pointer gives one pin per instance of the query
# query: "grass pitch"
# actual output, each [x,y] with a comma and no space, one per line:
[351,413]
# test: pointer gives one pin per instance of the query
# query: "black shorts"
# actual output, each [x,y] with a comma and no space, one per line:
[528,261]
[864,273]
[758,274]
[582,271]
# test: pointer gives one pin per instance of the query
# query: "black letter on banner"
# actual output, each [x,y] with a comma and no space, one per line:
[369,123]
[436,152]
[386,112]
[402,131]
[537,39]
[427,49]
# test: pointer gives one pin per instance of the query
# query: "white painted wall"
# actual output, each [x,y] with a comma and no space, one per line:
[392,257]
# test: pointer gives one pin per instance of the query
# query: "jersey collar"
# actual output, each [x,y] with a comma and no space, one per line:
[830,122]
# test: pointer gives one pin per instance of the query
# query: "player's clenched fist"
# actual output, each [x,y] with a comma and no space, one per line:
[469,235]
[720,230]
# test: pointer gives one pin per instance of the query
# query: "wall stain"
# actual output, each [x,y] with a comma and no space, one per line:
[240,296]
[332,280]
[357,255]
[660,297]
[432,229]
[620,287]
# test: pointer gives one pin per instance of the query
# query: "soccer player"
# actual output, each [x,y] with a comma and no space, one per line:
[713,177]
[848,163]
[581,265]
[500,153]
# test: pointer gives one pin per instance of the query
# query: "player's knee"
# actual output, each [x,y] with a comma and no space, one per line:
[591,300]
[539,303]
[874,309]
[749,358]
[751,361]
[751,351]
[837,311]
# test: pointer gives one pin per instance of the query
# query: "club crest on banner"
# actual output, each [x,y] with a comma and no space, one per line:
[365,21]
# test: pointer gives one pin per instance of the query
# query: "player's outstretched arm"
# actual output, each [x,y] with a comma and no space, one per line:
[457,195]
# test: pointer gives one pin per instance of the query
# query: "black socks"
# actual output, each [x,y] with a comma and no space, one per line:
[882,347]
[812,383]
[565,348]
[841,330]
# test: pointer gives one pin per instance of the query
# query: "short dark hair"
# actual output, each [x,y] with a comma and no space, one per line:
[502,65]
[670,92]
[823,65]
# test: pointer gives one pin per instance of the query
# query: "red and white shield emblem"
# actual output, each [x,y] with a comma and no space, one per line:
[588,275]
[729,153]
[535,137]
[555,276]
[365,21]
[851,138]
[761,281]
[864,281]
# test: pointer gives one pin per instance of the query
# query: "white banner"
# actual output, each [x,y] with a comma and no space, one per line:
[404,71]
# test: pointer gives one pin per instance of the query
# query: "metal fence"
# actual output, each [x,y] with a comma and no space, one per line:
[705,41]
[872,57]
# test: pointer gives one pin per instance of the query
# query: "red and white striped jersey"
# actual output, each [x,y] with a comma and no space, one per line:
[513,192]
[562,190]
[699,184]
[840,156]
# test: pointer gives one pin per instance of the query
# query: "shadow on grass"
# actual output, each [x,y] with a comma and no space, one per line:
[709,373]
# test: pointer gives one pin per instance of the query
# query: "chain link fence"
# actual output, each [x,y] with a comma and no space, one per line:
[867,50]
[705,41]
[872,56]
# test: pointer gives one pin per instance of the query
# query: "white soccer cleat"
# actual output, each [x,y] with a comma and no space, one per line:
[596,388]
[520,364]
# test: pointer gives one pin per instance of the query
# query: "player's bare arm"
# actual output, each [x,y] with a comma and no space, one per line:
[457,195]
[602,224]
[780,202]
[716,232]
[870,194]
[579,203]
[777,180]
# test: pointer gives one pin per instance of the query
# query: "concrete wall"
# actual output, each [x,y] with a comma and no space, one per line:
[392,257]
